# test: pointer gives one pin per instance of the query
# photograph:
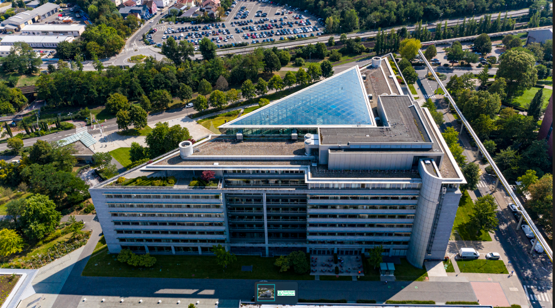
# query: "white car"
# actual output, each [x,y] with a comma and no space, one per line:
[538,247]
[527,230]
[492,256]
[189,105]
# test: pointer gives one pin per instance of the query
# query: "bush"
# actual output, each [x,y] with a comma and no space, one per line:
[171,180]
[137,163]
[120,180]
[157,183]
[299,62]
[66,126]
[489,169]
[89,209]
[127,256]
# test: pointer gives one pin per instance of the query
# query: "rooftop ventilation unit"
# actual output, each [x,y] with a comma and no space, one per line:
[186,149]
[376,61]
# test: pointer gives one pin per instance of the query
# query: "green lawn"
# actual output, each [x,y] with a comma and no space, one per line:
[134,132]
[14,196]
[412,89]
[212,123]
[100,245]
[439,91]
[172,266]
[483,266]
[26,80]
[449,266]
[527,97]
[122,156]
[462,229]
[101,113]
[250,109]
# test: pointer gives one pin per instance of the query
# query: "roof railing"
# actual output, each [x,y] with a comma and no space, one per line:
[521,209]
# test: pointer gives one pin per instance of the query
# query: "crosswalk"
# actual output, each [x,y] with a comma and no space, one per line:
[483,184]
[535,295]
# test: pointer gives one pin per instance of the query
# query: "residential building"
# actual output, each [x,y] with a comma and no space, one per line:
[118,2]
[178,8]
[342,166]
[36,41]
[20,20]
[33,4]
[546,132]
[140,11]
[192,12]
[58,30]
[210,3]
[540,36]
[151,7]
[5,50]
[130,3]
[188,3]
[164,3]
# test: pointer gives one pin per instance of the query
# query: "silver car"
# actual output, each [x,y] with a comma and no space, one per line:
[527,230]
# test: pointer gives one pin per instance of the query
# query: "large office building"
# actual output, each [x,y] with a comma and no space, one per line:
[341,166]
[20,20]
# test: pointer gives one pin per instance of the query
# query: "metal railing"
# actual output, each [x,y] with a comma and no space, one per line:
[499,174]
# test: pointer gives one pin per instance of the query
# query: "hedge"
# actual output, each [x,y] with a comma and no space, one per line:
[411,302]
[461,303]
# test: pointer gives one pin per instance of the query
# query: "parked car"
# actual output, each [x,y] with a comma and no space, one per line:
[492,256]
[527,230]
[468,254]
[538,246]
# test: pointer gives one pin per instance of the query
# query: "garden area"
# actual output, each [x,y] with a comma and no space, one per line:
[526,98]
[146,181]
[122,156]
[136,132]
[7,283]
[196,266]
[483,266]
[463,230]
[212,123]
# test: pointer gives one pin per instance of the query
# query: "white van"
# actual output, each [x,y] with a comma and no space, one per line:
[468,254]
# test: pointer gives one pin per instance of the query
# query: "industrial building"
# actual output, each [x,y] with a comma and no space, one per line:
[58,30]
[36,41]
[20,20]
[341,166]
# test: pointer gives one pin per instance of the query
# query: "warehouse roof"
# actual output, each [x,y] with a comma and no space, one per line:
[45,39]
[46,27]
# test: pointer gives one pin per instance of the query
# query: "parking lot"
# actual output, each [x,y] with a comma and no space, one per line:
[248,22]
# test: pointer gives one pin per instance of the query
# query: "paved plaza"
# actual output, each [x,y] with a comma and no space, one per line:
[348,265]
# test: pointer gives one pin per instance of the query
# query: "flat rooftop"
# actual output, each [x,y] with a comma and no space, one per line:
[404,126]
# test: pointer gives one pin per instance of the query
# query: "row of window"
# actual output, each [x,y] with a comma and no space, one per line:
[170,232]
[270,210]
[365,186]
[265,171]
[361,207]
[376,242]
[176,196]
[265,182]
[270,218]
[334,225]
[191,215]
[361,197]
[271,235]
[166,206]
[166,240]
[396,234]
[165,223]
[167,249]
[362,216]
[269,200]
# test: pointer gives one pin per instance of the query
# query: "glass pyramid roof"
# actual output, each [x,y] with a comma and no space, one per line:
[339,100]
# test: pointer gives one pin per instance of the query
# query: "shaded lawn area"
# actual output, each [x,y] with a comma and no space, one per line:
[134,132]
[352,58]
[250,109]
[4,200]
[172,266]
[483,266]
[449,266]
[27,80]
[463,230]
[101,113]
[122,156]
[212,123]
[100,245]
[403,272]
[525,99]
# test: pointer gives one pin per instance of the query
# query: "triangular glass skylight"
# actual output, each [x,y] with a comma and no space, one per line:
[339,100]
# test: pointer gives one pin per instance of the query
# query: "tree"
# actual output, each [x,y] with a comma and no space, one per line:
[207,175]
[290,79]
[326,68]
[436,115]
[271,62]
[483,76]
[403,64]
[275,83]
[221,83]
[22,59]
[526,180]
[471,172]
[535,157]
[145,103]
[476,103]
[350,20]
[178,53]
[138,117]
[200,103]
[455,53]
[283,262]
[343,38]
[233,95]
[299,61]
[483,217]
[321,51]
[207,48]
[498,87]
[451,137]
[10,242]
[15,144]
[117,102]
[164,138]
[375,256]
[223,257]
[101,160]
[535,107]
[284,57]
[542,200]
[483,44]
[248,89]
[301,76]
[331,41]
[409,48]
[14,209]
[335,55]
[39,217]
[508,162]
[298,259]
[261,87]
[542,71]
[185,92]
[314,72]
[410,75]
[483,126]
[430,52]
[470,57]
[123,119]
[160,99]
[263,102]
[218,99]
[137,152]
[518,68]
[490,146]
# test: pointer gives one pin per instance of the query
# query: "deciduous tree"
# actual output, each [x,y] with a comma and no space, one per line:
[10,242]
[409,48]
[483,217]
[39,217]
[117,102]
